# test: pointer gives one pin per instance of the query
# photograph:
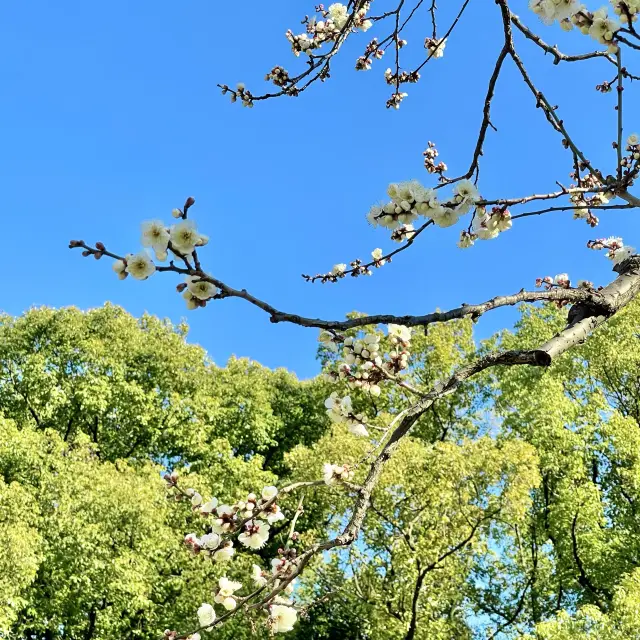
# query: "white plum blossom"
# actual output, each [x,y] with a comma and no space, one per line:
[376,254]
[339,14]
[120,268]
[255,535]
[603,28]
[435,47]
[269,492]
[446,217]
[282,618]
[196,499]
[225,593]
[274,514]
[155,236]
[140,266]
[224,520]
[340,410]
[485,226]
[465,192]
[399,332]
[328,340]
[185,237]
[338,269]
[209,541]
[620,255]
[206,616]
[562,280]
[176,213]
[633,140]
[258,577]
[466,240]
[550,10]
[200,289]
[225,553]
[209,506]
[190,299]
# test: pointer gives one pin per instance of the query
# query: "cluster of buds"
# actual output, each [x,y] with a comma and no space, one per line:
[334,473]
[356,267]
[626,10]
[605,87]
[615,247]
[403,77]
[358,351]
[241,93]
[403,232]
[435,47]
[396,99]
[630,162]
[364,368]
[279,76]
[372,50]
[430,154]
[560,281]
[398,357]
[582,202]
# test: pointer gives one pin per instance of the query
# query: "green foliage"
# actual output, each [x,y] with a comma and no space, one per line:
[95,404]
[512,509]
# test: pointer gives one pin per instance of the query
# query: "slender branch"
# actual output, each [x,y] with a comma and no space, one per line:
[553,50]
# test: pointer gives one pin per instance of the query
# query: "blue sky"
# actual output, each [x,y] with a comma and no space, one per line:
[110,115]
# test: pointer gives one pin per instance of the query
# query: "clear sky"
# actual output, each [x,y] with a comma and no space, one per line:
[110,115]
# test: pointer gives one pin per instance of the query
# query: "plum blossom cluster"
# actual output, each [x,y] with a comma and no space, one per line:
[329,28]
[398,357]
[597,24]
[435,47]
[430,154]
[560,281]
[583,201]
[485,226]
[334,473]
[410,200]
[162,242]
[631,160]
[616,250]
[250,521]
[178,241]
[372,50]
[340,410]
[363,367]
[551,10]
